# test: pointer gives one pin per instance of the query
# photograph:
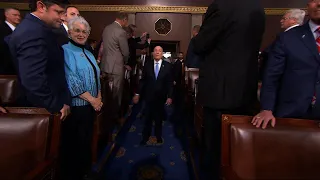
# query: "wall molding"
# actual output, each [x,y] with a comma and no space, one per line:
[142,8]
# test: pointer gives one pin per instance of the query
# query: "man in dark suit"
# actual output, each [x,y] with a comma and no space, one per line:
[229,40]
[134,44]
[291,19]
[193,59]
[12,19]
[156,86]
[62,31]
[40,60]
[291,80]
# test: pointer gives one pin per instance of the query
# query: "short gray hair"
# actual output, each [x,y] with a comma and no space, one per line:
[297,14]
[80,20]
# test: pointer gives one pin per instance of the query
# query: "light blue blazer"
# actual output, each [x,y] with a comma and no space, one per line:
[82,72]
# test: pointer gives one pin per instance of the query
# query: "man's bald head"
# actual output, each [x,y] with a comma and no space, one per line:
[157,53]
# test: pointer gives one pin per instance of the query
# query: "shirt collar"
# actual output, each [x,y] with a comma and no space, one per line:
[159,62]
[313,26]
[291,27]
[65,27]
[12,27]
[118,23]
[35,15]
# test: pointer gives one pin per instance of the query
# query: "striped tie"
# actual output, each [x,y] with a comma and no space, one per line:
[314,98]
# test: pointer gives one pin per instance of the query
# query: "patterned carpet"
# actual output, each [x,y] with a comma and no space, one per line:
[130,161]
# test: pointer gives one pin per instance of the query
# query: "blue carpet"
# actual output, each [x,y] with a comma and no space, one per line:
[130,161]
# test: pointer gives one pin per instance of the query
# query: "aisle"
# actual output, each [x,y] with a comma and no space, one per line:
[132,161]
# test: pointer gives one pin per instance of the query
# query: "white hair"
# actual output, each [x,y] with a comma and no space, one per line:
[80,20]
[297,14]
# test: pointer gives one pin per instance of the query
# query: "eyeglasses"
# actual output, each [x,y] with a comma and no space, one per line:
[78,31]
[285,18]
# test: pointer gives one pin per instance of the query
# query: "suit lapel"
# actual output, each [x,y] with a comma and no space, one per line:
[8,29]
[64,31]
[152,70]
[161,70]
[309,41]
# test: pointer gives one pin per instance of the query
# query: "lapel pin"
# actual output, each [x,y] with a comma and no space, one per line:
[303,36]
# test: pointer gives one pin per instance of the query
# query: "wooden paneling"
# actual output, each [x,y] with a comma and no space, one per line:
[271,30]
[181,27]
[97,21]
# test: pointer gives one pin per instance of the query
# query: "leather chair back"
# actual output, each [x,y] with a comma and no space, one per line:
[23,144]
[288,151]
[8,89]
[29,144]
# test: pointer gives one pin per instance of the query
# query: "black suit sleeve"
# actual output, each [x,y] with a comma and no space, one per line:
[142,81]
[32,59]
[170,82]
[274,70]
[213,24]
[137,39]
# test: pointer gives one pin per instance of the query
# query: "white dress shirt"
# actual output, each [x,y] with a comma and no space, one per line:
[313,26]
[65,27]
[12,27]
[143,59]
[159,64]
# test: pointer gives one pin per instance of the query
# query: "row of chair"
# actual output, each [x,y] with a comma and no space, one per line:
[289,151]
[30,137]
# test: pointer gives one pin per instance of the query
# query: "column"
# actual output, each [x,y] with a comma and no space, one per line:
[132,18]
[196,19]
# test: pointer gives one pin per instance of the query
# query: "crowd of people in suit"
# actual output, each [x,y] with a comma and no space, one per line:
[60,70]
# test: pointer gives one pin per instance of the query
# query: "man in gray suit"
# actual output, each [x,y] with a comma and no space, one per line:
[114,59]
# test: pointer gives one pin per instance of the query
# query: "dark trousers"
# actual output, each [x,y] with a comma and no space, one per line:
[212,138]
[153,111]
[76,140]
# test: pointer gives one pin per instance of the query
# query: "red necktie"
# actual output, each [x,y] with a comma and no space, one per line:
[314,98]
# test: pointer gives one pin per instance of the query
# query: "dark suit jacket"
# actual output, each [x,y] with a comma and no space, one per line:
[40,63]
[292,74]
[147,60]
[6,64]
[229,40]
[133,46]
[192,59]
[156,90]
[177,72]
[61,35]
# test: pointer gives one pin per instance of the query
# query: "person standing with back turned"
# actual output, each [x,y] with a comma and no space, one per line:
[229,40]
[115,56]
[39,59]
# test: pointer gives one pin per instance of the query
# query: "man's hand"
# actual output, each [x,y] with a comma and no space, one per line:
[3,110]
[169,101]
[143,35]
[128,67]
[135,99]
[65,111]
[263,119]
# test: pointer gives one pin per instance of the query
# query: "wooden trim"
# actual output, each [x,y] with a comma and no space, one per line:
[141,8]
